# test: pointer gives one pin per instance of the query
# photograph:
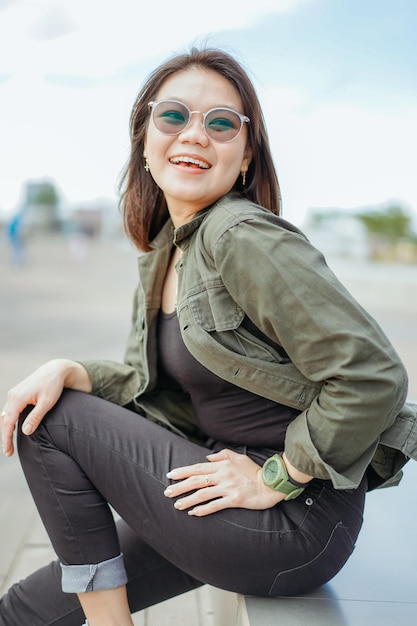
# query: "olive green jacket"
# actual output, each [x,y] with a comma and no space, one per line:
[259,307]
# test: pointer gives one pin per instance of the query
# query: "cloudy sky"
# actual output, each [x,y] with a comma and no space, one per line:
[337,80]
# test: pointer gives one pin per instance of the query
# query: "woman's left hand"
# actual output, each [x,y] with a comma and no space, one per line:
[228,480]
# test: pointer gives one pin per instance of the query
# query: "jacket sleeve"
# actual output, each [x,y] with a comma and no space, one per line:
[285,287]
[113,381]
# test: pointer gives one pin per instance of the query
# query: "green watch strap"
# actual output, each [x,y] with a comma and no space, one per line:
[275,475]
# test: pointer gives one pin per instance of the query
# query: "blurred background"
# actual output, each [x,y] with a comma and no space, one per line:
[337,80]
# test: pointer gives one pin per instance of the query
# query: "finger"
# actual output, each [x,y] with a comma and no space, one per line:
[33,419]
[197,498]
[7,429]
[219,504]
[180,473]
[193,483]
[7,440]
[223,455]
[12,411]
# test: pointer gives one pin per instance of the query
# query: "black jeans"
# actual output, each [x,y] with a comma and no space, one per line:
[88,452]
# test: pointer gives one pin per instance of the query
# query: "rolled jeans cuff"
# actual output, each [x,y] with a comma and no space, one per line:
[84,578]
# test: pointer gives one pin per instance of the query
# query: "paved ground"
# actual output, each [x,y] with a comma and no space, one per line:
[60,305]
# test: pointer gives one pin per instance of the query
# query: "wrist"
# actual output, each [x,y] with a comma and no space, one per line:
[294,475]
[275,476]
[75,376]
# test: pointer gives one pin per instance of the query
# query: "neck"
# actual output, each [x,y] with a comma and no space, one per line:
[182,215]
[183,211]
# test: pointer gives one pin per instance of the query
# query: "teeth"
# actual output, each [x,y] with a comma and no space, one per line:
[186,159]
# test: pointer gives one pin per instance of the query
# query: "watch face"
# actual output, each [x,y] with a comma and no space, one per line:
[275,475]
[270,471]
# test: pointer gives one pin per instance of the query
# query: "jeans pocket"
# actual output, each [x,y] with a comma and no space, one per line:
[317,568]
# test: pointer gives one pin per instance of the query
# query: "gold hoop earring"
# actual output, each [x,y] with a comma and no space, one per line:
[146,164]
[243,178]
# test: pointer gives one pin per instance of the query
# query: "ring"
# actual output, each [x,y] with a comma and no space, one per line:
[3,415]
[206,480]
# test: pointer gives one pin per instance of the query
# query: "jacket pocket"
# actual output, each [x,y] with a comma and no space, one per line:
[213,308]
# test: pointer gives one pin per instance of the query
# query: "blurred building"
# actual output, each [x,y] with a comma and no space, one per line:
[337,234]
[41,206]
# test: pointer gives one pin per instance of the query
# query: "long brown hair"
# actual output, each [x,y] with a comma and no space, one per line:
[142,201]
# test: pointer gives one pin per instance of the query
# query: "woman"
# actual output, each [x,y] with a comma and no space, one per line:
[237,440]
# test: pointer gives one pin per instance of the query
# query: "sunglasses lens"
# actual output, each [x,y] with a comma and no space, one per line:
[222,124]
[170,117]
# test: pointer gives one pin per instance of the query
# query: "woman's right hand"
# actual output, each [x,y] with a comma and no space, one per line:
[42,389]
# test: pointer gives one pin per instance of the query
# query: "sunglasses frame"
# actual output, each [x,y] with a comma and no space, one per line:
[243,118]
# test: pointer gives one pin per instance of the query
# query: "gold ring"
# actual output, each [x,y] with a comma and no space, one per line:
[206,480]
[3,415]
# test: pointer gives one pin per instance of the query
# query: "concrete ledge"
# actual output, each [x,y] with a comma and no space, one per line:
[318,609]
[224,607]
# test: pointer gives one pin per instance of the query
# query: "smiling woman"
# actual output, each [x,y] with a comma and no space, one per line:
[240,434]
[195,155]
[199,84]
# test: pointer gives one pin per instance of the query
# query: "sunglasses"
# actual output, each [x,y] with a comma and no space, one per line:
[221,124]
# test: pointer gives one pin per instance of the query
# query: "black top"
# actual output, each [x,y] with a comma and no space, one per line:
[224,412]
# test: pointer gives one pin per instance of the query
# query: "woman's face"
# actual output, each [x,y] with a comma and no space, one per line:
[192,169]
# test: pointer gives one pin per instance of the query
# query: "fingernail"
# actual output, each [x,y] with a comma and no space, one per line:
[27,429]
[172,474]
[178,504]
[168,492]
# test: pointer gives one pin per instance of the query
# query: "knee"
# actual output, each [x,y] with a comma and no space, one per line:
[26,443]
[64,413]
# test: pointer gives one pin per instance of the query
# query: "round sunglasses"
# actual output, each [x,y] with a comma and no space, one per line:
[221,124]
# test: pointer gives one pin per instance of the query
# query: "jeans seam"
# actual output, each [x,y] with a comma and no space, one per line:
[165,483]
[309,563]
[62,509]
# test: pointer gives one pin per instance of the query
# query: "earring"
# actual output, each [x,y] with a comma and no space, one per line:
[243,178]
[146,164]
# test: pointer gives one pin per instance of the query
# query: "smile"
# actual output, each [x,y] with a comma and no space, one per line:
[190,162]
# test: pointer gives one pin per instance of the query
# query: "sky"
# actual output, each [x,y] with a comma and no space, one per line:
[337,80]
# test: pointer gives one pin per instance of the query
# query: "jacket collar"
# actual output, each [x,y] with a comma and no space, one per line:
[170,235]
[186,230]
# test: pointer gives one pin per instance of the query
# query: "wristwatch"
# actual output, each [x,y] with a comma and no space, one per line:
[275,475]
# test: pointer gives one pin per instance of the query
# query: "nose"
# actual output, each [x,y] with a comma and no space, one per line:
[195,132]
